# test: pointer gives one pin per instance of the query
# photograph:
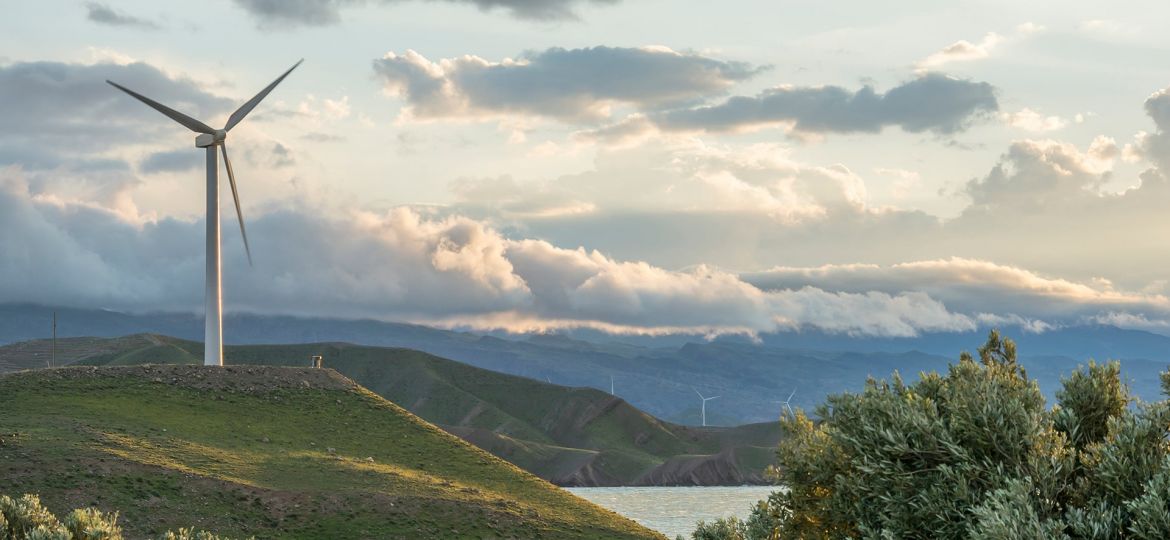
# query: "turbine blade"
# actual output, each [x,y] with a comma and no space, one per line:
[716,397]
[188,122]
[246,108]
[236,196]
[697,392]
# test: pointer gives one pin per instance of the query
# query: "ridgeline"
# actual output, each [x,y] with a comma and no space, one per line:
[568,436]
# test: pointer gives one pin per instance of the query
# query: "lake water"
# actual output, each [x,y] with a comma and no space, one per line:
[674,510]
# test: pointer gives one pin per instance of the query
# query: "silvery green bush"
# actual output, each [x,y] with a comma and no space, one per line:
[975,453]
[25,518]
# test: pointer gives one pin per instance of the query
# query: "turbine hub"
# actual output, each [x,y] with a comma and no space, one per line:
[203,140]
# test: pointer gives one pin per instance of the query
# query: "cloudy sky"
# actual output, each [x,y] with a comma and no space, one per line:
[637,166]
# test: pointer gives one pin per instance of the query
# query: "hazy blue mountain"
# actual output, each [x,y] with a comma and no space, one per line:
[658,375]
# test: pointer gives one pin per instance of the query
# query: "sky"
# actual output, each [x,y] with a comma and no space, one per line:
[632,166]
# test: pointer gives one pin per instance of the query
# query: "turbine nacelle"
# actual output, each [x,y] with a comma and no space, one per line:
[203,140]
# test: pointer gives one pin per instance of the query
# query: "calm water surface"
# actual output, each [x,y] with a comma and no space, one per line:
[674,510]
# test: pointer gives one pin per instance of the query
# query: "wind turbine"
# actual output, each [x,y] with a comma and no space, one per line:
[704,407]
[210,139]
[611,385]
[787,401]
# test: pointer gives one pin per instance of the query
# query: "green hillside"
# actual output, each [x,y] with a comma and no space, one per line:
[569,436]
[266,451]
[41,353]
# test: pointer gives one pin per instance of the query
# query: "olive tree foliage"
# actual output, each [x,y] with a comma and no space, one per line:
[729,528]
[975,453]
[760,524]
[25,518]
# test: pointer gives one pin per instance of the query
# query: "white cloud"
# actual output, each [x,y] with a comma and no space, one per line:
[965,51]
[961,51]
[1036,174]
[1030,120]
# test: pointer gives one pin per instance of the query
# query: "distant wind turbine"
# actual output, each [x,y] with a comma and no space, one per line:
[787,402]
[611,385]
[704,406]
[210,139]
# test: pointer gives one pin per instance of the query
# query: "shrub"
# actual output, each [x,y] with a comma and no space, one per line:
[730,528]
[191,534]
[973,453]
[92,524]
[26,519]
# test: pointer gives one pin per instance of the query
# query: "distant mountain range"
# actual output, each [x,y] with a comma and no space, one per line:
[655,374]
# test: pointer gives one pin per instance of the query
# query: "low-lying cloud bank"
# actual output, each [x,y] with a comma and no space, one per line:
[455,271]
[406,266]
[981,287]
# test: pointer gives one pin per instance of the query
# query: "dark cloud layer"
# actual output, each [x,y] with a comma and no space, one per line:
[286,13]
[103,14]
[933,102]
[68,110]
[663,86]
[559,83]
[171,161]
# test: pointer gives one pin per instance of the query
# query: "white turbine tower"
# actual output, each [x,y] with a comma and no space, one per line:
[210,139]
[704,406]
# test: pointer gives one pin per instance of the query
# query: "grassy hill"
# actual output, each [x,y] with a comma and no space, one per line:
[41,353]
[570,436]
[266,451]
